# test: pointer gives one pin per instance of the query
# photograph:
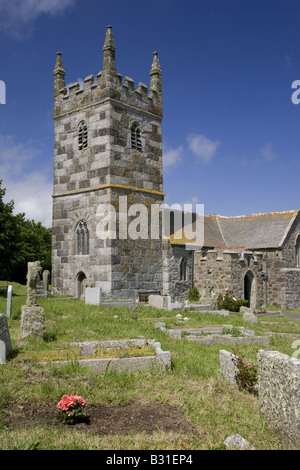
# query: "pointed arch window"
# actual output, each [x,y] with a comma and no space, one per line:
[183,269]
[82,135]
[136,141]
[298,251]
[82,238]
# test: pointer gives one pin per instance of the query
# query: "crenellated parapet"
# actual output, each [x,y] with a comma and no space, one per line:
[107,85]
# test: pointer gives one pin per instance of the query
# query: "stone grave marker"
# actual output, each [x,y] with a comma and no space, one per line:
[8,301]
[32,317]
[93,295]
[5,343]
[2,352]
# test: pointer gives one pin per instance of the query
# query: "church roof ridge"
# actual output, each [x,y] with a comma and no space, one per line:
[258,214]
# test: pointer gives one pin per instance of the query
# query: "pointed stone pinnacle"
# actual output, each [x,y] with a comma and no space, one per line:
[155,69]
[59,65]
[109,40]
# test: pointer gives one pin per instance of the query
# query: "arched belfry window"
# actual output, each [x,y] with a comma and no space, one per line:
[183,269]
[82,135]
[298,251]
[136,142]
[82,238]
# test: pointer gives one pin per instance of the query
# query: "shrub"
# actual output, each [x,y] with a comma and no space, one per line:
[228,302]
[193,294]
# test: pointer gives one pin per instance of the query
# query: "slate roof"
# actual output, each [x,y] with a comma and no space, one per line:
[254,231]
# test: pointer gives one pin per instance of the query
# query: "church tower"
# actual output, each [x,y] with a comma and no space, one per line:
[107,150]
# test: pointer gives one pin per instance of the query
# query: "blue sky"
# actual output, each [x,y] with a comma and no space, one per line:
[231,134]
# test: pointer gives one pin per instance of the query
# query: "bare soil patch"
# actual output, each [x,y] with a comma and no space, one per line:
[103,420]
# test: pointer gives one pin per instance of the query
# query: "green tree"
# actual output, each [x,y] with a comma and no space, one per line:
[21,241]
[34,244]
[8,235]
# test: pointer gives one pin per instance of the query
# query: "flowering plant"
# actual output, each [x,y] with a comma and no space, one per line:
[71,408]
[246,375]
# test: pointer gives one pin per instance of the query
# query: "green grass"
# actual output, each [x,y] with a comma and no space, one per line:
[192,386]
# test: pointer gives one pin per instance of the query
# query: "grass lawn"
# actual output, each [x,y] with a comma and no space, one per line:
[188,407]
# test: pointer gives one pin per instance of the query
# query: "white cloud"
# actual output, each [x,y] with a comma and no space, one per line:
[267,152]
[16,13]
[30,190]
[202,147]
[172,157]
[32,195]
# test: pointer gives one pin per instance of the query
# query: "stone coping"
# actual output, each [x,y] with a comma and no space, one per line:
[214,334]
[161,360]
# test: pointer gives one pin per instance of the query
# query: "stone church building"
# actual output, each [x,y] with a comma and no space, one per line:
[108,154]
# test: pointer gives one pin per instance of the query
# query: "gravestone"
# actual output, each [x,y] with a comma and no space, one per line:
[5,343]
[228,367]
[32,316]
[93,295]
[2,352]
[250,317]
[8,301]
[46,275]
[157,301]
[208,287]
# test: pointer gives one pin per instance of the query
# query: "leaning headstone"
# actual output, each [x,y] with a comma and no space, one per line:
[32,316]
[8,301]
[93,295]
[228,368]
[4,338]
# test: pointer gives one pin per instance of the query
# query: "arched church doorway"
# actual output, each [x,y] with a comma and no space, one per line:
[81,277]
[250,289]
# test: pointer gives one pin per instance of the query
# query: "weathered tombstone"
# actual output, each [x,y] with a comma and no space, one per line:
[206,298]
[2,352]
[208,286]
[228,367]
[279,392]
[93,295]
[4,338]
[8,301]
[46,275]
[32,317]
[250,317]
[157,301]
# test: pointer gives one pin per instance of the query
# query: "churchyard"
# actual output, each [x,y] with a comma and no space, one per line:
[185,405]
